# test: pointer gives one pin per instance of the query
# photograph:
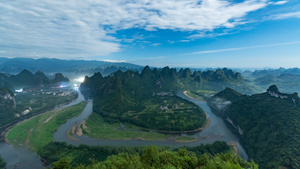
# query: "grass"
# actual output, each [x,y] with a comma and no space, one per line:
[98,128]
[38,131]
[185,139]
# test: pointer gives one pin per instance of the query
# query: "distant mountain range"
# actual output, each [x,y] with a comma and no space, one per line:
[275,72]
[287,80]
[268,124]
[68,67]
[26,79]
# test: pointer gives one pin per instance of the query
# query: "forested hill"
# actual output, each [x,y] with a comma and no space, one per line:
[268,123]
[7,105]
[148,99]
[27,79]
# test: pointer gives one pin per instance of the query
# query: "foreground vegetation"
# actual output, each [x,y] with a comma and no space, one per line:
[98,128]
[268,123]
[156,157]
[38,131]
[2,163]
[87,155]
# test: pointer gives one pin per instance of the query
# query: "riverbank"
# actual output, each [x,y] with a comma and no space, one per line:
[117,132]
[70,133]
[185,139]
[96,127]
[38,131]
[9,128]
[6,128]
[235,147]
[207,118]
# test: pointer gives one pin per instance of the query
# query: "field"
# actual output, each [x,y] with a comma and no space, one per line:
[166,113]
[38,131]
[98,128]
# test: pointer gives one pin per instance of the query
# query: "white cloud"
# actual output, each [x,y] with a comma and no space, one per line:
[241,48]
[286,15]
[204,34]
[76,28]
[280,2]
[156,44]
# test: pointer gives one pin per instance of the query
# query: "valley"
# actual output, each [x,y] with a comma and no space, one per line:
[45,117]
[137,109]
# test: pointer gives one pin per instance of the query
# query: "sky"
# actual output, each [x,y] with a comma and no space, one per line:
[176,33]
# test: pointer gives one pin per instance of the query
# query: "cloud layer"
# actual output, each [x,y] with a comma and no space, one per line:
[77,29]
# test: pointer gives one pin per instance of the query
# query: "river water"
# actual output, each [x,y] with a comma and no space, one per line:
[216,131]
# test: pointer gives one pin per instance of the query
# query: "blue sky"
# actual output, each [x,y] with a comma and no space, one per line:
[176,33]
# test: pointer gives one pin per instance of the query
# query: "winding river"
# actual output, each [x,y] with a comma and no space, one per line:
[216,131]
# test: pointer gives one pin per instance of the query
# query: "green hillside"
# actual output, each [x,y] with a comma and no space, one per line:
[268,123]
[2,163]
[155,157]
[7,106]
[216,155]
